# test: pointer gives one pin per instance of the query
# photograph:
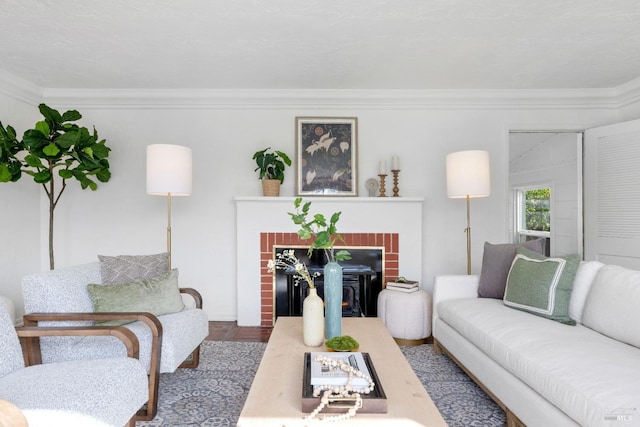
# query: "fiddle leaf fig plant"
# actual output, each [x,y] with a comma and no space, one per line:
[54,151]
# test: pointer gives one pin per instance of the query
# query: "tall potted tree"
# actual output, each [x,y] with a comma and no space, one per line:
[271,167]
[55,144]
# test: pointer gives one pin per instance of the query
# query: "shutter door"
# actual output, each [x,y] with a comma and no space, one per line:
[612,194]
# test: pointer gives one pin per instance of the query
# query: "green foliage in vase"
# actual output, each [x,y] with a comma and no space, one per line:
[322,233]
[55,144]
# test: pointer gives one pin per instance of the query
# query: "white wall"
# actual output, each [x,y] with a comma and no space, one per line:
[19,213]
[119,218]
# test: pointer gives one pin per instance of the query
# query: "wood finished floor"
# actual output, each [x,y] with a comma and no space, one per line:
[230,331]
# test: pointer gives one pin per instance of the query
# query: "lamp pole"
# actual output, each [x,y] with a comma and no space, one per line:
[468,176]
[169,229]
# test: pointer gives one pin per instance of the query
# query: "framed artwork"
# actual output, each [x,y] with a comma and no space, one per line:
[326,149]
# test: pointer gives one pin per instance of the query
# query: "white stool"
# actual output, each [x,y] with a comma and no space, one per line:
[406,315]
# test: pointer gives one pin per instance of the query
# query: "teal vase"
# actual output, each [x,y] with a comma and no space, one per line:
[333,299]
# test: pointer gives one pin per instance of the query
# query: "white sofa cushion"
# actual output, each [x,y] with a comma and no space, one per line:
[615,290]
[61,291]
[55,418]
[584,278]
[583,373]
[11,359]
[110,391]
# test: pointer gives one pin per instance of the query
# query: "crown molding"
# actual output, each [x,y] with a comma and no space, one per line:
[332,99]
[321,99]
[20,89]
[628,93]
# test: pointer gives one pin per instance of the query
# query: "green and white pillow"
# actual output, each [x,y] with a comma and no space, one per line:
[540,285]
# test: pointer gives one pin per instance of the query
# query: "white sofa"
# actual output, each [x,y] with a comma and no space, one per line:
[542,372]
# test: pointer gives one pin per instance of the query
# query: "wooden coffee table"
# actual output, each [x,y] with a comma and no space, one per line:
[275,397]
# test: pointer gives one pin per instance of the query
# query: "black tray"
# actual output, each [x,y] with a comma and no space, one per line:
[372,403]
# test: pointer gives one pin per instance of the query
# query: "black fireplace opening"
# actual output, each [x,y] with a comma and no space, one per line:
[362,278]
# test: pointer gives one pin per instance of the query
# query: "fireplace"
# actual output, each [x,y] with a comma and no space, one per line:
[362,281]
[394,223]
[363,277]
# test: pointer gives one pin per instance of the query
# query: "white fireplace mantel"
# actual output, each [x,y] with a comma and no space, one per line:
[255,215]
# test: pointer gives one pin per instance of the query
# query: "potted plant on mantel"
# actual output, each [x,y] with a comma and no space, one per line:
[271,167]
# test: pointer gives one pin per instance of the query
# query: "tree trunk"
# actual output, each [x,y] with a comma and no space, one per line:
[51,208]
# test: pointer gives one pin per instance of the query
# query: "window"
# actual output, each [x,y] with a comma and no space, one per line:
[533,214]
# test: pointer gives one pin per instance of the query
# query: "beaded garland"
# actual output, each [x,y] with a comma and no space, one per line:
[330,392]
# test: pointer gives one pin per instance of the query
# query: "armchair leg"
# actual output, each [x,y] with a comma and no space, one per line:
[193,360]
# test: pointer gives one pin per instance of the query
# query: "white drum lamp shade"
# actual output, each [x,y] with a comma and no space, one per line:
[169,170]
[468,176]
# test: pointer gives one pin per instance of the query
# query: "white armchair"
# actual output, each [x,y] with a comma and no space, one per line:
[166,341]
[110,391]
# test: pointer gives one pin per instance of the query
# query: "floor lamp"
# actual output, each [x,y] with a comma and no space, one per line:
[169,174]
[468,176]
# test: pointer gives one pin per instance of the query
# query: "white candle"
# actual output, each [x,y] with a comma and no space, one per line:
[383,167]
[395,163]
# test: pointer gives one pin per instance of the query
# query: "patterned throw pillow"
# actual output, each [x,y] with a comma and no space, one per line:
[128,268]
[496,262]
[541,285]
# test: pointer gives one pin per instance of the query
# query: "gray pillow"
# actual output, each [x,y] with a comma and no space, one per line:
[127,268]
[158,295]
[496,262]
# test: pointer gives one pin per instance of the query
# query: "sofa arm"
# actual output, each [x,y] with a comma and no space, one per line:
[452,287]
[197,298]
[128,338]
[32,319]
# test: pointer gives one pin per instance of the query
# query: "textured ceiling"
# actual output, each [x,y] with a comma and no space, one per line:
[321,44]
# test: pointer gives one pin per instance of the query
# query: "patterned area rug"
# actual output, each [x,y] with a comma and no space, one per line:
[460,401]
[213,394]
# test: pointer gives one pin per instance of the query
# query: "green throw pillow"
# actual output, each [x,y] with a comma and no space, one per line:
[158,295]
[541,285]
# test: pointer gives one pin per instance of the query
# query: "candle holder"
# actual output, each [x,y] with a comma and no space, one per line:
[382,189]
[396,190]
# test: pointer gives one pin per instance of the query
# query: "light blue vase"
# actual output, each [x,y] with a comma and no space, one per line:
[333,299]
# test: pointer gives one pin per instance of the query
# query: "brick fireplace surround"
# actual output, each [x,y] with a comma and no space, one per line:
[388,241]
[370,221]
